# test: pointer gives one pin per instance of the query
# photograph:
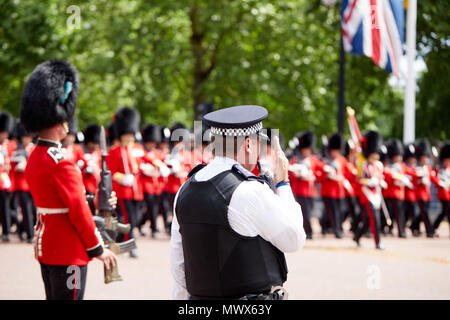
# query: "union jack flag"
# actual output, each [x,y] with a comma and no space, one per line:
[374,28]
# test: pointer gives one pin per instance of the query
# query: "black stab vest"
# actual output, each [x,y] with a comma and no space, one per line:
[219,262]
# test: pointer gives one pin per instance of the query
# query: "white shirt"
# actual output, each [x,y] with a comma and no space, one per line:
[254,210]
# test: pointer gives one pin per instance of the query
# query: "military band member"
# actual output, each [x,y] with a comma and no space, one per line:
[124,162]
[21,188]
[230,229]
[441,179]
[91,161]
[351,174]
[423,190]
[333,183]
[371,177]
[151,166]
[72,150]
[396,179]
[66,238]
[6,149]
[409,158]
[303,172]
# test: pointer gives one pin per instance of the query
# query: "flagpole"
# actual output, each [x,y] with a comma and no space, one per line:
[409,121]
[341,91]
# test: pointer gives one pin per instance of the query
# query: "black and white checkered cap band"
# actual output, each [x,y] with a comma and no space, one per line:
[237,132]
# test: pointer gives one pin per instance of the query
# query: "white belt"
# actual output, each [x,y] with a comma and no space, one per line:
[52,210]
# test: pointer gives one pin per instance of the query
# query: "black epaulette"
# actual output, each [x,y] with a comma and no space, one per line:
[196,169]
[247,175]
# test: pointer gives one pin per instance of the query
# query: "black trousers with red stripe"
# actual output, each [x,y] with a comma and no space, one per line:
[152,210]
[64,282]
[370,218]
[410,211]
[444,213]
[334,214]
[26,204]
[5,212]
[306,203]
[423,216]
[398,213]
[127,211]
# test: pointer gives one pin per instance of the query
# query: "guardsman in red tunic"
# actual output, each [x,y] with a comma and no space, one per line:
[66,238]
[409,158]
[334,183]
[6,127]
[124,162]
[304,169]
[370,174]
[179,167]
[19,160]
[441,179]
[91,161]
[72,150]
[423,186]
[351,174]
[151,166]
[397,180]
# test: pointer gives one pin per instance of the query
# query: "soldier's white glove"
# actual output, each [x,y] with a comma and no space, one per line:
[373,182]
[164,170]
[128,180]
[6,181]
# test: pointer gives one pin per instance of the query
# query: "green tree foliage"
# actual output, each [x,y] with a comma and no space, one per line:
[165,57]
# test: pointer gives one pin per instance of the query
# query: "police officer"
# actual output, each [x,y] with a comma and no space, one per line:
[230,228]
[66,238]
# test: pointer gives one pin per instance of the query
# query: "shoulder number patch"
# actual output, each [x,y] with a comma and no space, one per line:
[55,153]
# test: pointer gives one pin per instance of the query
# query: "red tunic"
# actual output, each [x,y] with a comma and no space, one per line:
[331,187]
[351,174]
[152,183]
[423,190]
[74,152]
[306,188]
[6,150]
[90,166]
[396,188]
[65,231]
[370,171]
[17,174]
[127,160]
[410,193]
[442,175]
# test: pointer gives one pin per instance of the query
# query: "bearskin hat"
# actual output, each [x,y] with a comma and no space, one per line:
[445,151]
[383,153]
[372,142]
[151,133]
[127,120]
[7,122]
[165,134]
[73,126]
[111,133]
[335,142]
[423,148]
[394,148]
[349,145]
[50,95]
[307,140]
[92,133]
[20,131]
[409,151]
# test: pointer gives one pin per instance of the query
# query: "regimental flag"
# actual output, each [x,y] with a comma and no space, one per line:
[374,28]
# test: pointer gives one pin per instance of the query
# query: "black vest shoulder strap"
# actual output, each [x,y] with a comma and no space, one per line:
[247,175]
[196,169]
